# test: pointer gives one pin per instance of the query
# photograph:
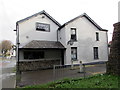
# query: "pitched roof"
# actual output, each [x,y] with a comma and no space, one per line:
[42,12]
[86,16]
[44,44]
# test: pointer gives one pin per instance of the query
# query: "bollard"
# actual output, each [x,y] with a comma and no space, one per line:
[81,67]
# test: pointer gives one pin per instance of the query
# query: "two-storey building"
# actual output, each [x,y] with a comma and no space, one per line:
[43,42]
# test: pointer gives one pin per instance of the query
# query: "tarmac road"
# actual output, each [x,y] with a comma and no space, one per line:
[45,76]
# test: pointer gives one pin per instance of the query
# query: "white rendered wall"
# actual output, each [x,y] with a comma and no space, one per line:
[28,28]
[86,40]
[62,38]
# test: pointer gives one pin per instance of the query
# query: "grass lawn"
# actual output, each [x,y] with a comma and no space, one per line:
[97,81]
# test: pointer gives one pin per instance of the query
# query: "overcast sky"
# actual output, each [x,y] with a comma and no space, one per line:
[103,12]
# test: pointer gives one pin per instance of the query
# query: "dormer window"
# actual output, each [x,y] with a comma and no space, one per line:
[73,34]
[42,27]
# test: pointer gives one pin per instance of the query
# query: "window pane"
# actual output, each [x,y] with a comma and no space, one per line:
[73,34]
[96,53]
[74,53]
[97,36]
[33,54]
[42,27]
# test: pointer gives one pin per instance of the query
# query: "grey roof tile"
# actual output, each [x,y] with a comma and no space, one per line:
[44,44]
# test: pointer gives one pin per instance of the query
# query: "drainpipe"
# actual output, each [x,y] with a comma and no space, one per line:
[57,35]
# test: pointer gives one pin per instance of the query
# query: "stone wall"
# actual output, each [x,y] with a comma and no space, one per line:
[113,66]
[37,65]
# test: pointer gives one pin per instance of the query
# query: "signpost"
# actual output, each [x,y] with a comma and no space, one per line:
[119,11]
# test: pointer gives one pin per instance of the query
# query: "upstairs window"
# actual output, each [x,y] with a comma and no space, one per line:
[73,34]
[73,53]
[97,36]
[96,53]
[42,27]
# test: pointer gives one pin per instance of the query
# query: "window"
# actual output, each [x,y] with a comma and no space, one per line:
[33,54]
[42,27]
[97,36]
[73,53]
[96,53]
[73,34]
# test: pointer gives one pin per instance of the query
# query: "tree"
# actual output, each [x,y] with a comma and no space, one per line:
[5,45]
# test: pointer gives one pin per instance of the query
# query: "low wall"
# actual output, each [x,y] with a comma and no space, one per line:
[37,65]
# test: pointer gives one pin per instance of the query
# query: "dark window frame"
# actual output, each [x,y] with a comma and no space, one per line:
[39,29]
[73,36]
[97,36]
[75,59]
[34,54]
[96,52]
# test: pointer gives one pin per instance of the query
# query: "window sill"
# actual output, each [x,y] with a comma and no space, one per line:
[74,59]
[73,40]
[96,59]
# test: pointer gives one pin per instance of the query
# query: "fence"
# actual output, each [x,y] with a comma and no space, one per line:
[66,71]
[59,72]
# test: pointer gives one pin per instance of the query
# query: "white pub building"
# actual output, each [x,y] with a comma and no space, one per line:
[42,42]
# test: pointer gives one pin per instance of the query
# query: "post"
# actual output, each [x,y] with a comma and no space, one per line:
[18,72]
[72,65]
[84,69]
[54,73]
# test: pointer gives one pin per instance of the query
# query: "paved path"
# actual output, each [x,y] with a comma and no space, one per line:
[44,76]
[7,76]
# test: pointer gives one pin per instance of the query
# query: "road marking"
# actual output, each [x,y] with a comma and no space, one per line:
[7,75]
[98,73]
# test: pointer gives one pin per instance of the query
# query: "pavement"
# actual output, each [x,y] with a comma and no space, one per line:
[45,76]
[8,74]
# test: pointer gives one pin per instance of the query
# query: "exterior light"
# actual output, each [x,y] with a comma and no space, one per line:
[70,42]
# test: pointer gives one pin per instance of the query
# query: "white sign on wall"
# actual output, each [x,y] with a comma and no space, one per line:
[119,11]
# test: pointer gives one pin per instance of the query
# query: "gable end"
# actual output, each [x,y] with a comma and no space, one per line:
[42,12]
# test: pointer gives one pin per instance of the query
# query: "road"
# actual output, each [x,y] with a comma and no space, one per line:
[8,75]
[45,76]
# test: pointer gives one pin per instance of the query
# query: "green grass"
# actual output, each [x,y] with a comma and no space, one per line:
[97,81]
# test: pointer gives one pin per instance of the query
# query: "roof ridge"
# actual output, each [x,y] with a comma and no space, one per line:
[85,15]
